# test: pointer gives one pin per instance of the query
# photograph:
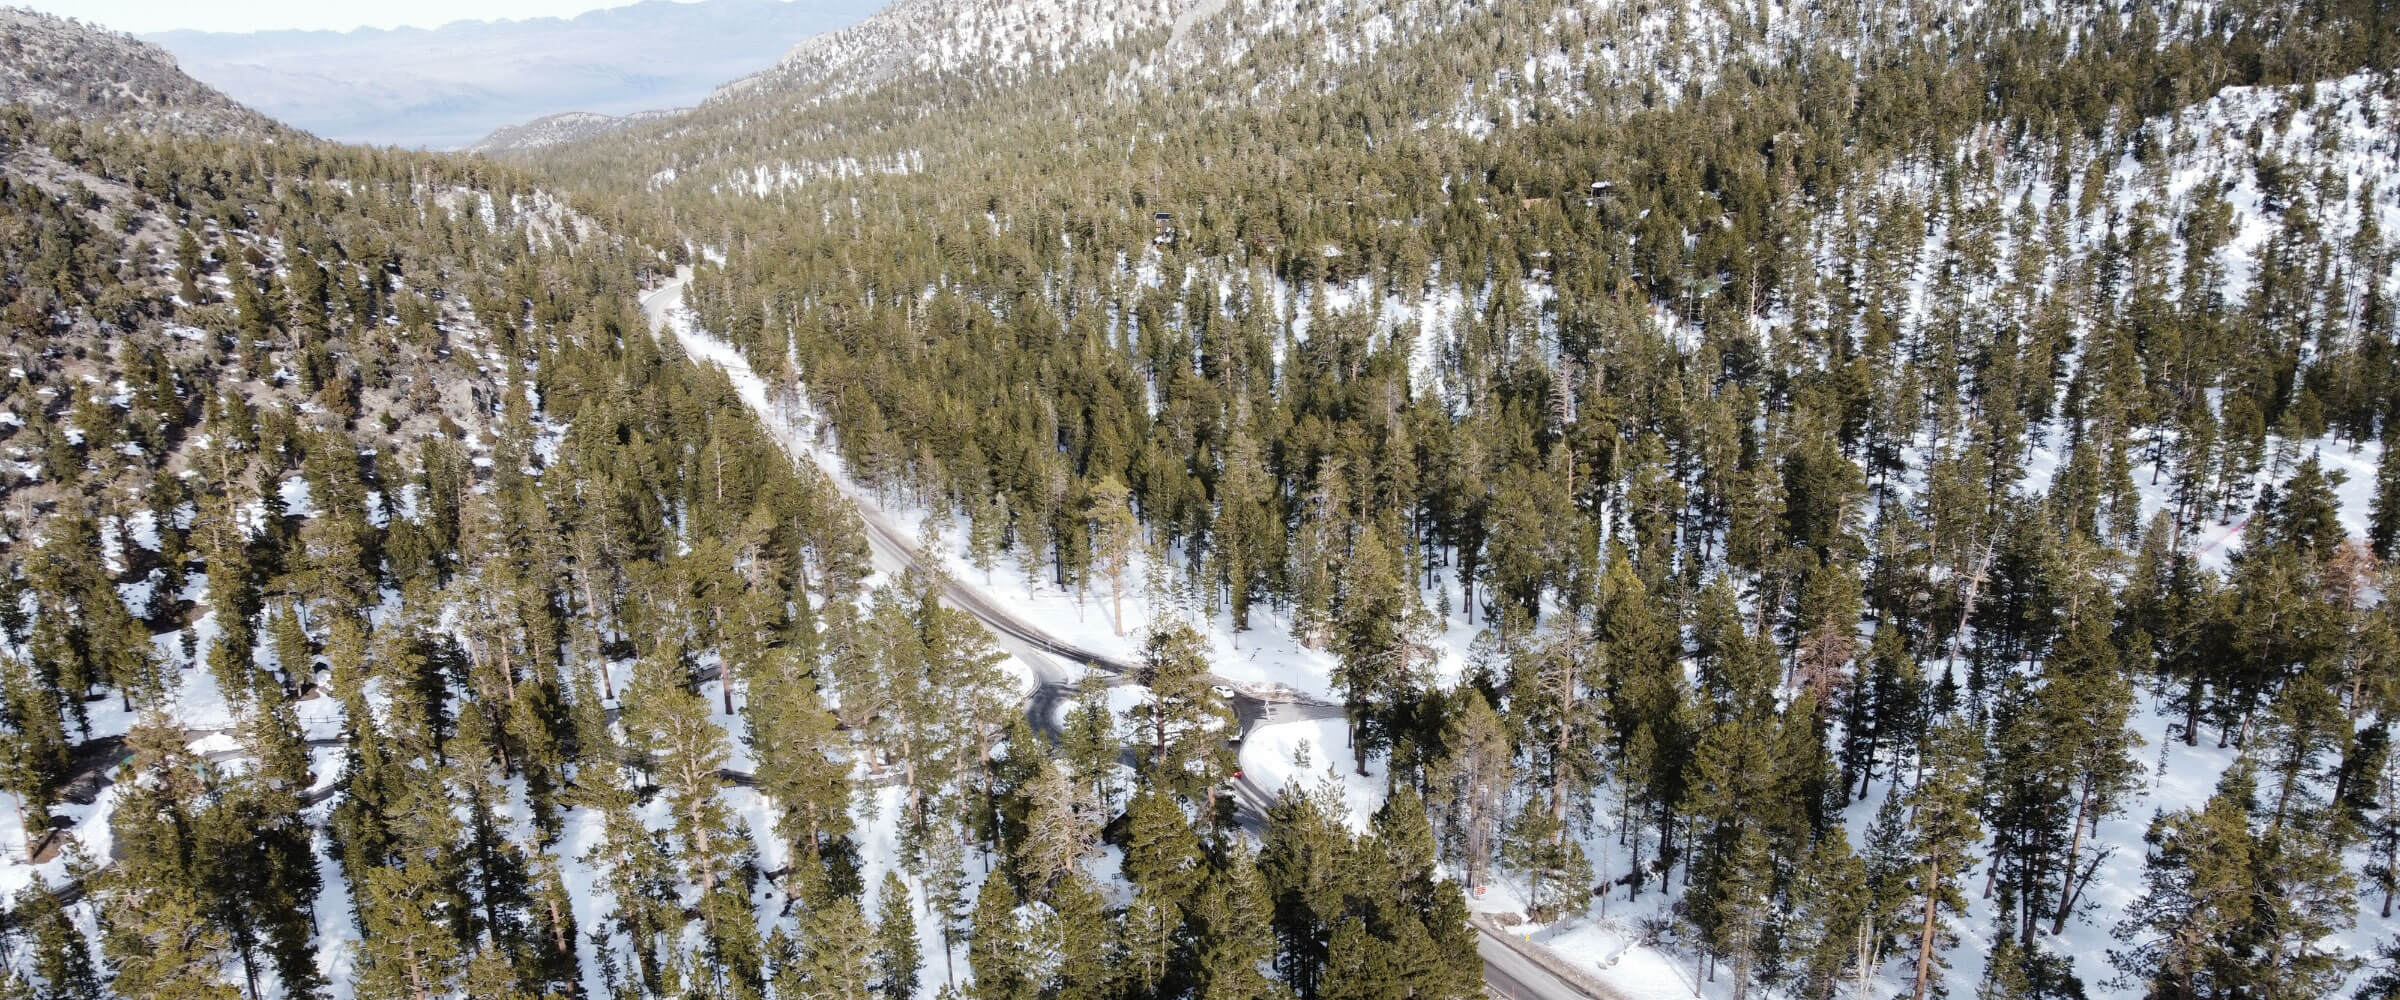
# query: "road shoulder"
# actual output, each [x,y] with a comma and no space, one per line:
[1548,961]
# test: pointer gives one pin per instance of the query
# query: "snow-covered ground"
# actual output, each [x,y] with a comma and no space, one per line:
[1312,754]
[2335,136]
[1613,940]
[2341,135]
[1264,658]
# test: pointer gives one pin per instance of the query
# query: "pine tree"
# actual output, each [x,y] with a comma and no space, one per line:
[1553,690]
[1471,780]
[1401,835]
[1244,523]
[961,704]
[669,722]
[409,942]
[2183,934]
[1379,634]
[1833,908]
[1942,831]
[987,528]
[1115,534]
[33,746]
[1301,864]
[1887,710]
[2305,896]
[836,953]
[1731,802]
[794,739]
[641,881]
[61,958]
[896,959]
[553,925]
[162,945]
[1078,933]
[1557,876]
[996,946]
[1162,853]
[489,974]
[1357,966]
[1181,718]
[1089,740]
[2383,520]
[2305,513]
[2084,709]
[1234,927]
[1061,824]
[1148,934]
[942,871]
[1742,903]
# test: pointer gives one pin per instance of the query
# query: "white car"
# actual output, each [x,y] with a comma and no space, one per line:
[1221,691]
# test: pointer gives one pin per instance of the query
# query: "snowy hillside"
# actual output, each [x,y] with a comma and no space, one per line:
[1891,409]
[552,130]
[61,68]
[1221,500]
[1004,39]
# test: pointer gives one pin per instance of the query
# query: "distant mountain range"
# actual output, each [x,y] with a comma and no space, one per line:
[447,87]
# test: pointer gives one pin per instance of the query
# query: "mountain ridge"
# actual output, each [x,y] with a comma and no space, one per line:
[556,129]
[64,67]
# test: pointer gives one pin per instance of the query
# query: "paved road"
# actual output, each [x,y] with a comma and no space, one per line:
[892,550]
[1517,969]
[1506,972]
[1503,968]
[889,549]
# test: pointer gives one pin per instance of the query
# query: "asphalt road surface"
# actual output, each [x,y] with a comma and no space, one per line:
[1511,976]
[1506,972]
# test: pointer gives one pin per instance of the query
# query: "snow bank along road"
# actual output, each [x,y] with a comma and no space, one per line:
[892,551]
[1511,969]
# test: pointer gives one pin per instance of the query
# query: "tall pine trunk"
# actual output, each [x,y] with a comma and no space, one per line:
[2068,889]
[1933,910]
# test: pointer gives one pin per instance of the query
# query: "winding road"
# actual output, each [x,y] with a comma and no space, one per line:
[1513,969]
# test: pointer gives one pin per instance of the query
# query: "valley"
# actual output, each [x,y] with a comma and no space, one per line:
[1245,500]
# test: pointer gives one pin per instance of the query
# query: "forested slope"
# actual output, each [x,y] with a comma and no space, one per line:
[1976,409]
[389,613]
[299,685]
[1794,500]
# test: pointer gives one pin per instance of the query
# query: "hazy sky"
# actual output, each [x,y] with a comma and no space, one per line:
[143,16]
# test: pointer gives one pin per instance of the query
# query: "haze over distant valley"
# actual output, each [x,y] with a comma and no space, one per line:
[447,87]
